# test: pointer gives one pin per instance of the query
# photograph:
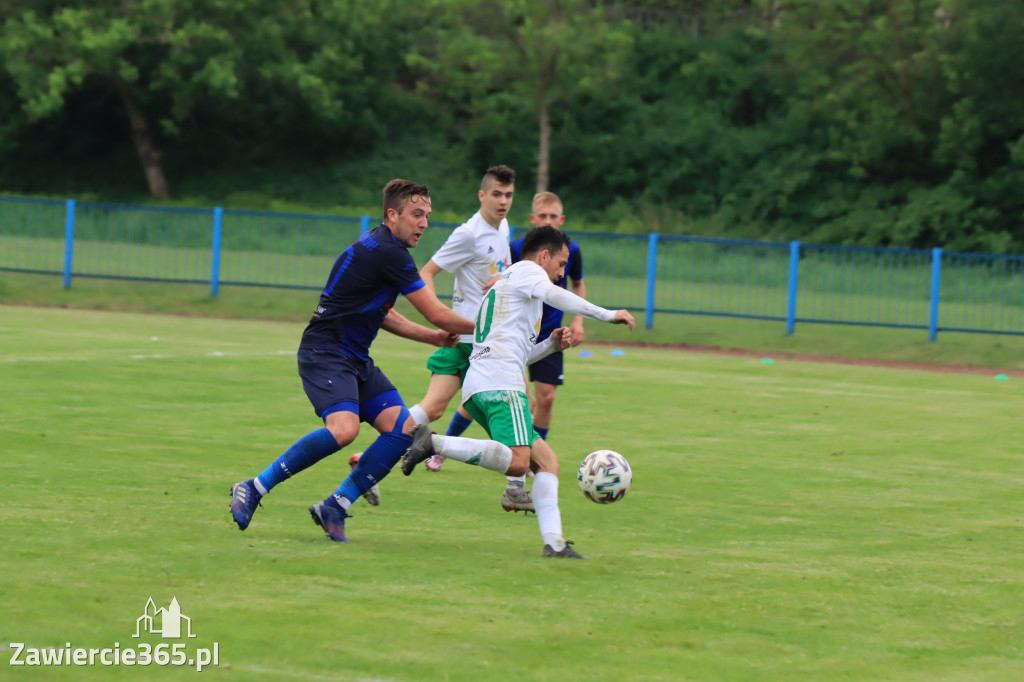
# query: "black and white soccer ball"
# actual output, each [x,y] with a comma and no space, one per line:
[604,476]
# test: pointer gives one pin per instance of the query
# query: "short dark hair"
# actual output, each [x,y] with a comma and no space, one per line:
[543,238]
[503,175]
[397,194]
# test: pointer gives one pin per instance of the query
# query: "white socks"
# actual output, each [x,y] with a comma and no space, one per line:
[549,518]
[488,454]
[515,482]
[418,414]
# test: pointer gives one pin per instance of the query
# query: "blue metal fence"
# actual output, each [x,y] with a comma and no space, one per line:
[788,282]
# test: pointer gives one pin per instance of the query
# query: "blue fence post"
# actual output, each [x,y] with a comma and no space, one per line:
[69,241]
[933,314]
[652,278]
[794,283]
[364,225]
[218,227]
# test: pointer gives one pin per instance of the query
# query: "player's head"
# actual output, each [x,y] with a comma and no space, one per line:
[496,190]
[546,210]
[548,247]
[406,209]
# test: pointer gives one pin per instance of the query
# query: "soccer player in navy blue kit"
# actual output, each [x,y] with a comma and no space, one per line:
[339,376]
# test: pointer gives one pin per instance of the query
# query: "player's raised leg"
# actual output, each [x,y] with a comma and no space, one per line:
[391,419]
[487,454]
[446,365]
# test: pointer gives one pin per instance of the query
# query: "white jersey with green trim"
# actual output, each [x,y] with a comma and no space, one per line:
[507,325]
[474,253]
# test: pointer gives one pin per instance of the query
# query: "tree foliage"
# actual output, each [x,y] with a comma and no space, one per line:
[878,122]
[489,59]
[167,61]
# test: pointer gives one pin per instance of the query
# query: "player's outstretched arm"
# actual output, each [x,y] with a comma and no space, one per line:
[400,325]
[437,313]
[571,303]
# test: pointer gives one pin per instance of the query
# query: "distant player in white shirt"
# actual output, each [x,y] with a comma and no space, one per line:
[494,391]
[475,252]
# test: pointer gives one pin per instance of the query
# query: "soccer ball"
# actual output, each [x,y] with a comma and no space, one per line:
[604,476]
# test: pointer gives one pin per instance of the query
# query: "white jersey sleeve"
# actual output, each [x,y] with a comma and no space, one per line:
[557,297]
[456,251]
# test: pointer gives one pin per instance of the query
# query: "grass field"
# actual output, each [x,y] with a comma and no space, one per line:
[787,522]
[1000,352]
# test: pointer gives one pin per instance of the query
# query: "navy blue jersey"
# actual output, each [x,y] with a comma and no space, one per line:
[361,289]
[551,318]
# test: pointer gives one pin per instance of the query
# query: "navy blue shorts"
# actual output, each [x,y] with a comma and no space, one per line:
[335,382]
[548,370]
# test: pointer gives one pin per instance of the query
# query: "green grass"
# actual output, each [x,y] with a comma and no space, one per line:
[787,522]
[999,352]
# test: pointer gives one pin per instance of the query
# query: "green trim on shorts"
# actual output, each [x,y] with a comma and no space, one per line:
[451,360]
[505,415]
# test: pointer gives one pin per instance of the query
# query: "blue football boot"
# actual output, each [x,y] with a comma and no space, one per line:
[331,519]
[244,500]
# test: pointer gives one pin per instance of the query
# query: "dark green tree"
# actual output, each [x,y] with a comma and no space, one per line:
[163,61]
[520,55]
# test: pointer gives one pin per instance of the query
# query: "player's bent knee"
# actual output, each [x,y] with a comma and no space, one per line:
[407,426]
[404,424]
[544,458]
[547,469]
[344,435]
[520,463]
[517,469]
[434,412]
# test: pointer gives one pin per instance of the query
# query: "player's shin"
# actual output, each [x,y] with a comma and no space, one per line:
[376,462]
[549,518]
[488,454]
[303,454]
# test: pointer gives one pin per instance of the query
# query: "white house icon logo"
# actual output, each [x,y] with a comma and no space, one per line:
[169,621]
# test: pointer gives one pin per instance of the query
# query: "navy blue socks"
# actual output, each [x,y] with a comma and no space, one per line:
[376,463]
[304,453]
[458,425]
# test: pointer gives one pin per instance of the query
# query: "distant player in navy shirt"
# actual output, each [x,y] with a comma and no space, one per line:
[547,374]
[338,374]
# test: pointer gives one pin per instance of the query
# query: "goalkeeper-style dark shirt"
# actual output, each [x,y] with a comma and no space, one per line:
[363,285]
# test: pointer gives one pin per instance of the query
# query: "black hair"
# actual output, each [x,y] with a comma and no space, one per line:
[503,175]
[543,238]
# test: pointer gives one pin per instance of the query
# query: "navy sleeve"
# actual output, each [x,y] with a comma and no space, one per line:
[575,262]
[516,248]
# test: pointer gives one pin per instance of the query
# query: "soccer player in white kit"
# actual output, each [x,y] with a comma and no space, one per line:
[475,252]
[494,391]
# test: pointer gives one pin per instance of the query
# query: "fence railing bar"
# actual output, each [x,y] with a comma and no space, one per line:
[684,274]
